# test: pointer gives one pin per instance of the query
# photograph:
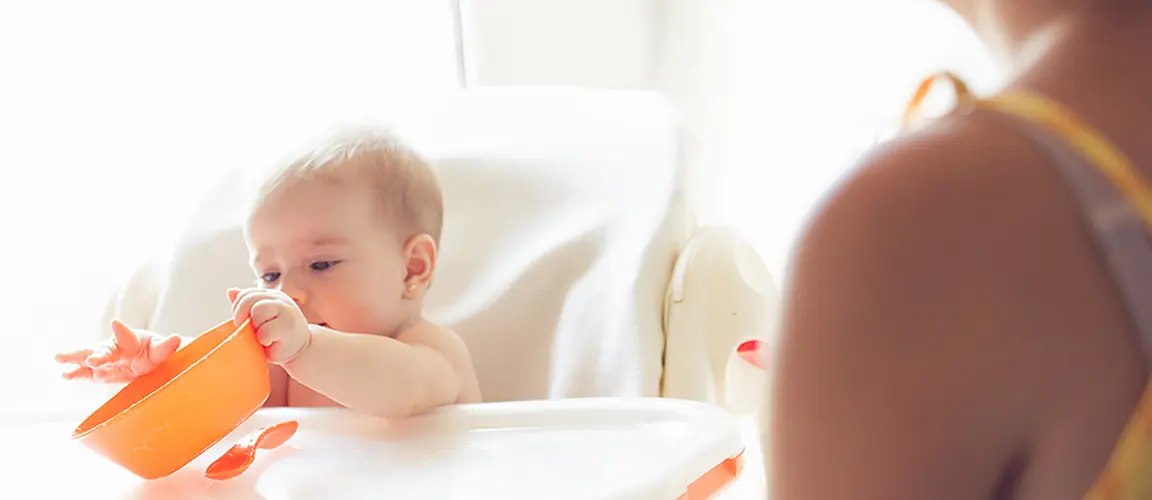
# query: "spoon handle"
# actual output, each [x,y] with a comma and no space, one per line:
[241,455]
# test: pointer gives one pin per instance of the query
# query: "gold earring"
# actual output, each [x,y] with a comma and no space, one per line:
[411,287]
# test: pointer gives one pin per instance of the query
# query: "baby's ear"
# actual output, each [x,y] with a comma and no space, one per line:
[420,261]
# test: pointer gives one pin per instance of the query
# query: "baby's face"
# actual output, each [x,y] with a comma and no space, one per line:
[328,248]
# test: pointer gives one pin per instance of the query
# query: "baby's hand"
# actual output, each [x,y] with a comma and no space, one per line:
[279,323]
[129,355]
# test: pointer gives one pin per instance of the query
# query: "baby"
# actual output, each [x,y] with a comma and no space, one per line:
[343,242]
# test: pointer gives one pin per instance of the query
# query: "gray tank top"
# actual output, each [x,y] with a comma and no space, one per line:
[1119,231]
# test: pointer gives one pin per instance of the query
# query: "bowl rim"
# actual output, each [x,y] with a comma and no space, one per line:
[120,414]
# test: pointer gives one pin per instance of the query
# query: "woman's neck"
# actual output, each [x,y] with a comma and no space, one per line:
[1021,32]
[1095,60]
[1095,50]
[1014,30]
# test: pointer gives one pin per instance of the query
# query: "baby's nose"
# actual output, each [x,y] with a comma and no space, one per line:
[299,298]
[297,293]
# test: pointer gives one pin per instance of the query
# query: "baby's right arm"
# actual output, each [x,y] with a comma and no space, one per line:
[132,353]
[129,355]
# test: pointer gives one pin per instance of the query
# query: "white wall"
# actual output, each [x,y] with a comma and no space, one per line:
[596,43]
[777,97]
[674,46]
[116,116]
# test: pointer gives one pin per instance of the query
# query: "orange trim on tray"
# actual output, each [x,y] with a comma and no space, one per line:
[715,480]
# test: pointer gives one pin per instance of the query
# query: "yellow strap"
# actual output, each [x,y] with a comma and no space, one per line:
[963,95]
[1098,150]
[1125,475]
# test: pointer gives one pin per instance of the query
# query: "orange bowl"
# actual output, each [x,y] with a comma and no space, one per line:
[161,421]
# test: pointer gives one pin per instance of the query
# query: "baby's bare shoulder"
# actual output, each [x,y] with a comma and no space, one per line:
[432,335]
[449,345]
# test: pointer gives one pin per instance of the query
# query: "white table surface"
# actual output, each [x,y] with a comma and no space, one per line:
[41,458]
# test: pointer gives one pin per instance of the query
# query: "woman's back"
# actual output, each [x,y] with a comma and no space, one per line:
[953,329]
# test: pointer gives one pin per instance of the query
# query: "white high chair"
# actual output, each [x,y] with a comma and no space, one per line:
[570,263]
[572,267]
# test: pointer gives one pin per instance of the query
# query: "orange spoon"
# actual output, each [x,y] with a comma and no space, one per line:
[237,459]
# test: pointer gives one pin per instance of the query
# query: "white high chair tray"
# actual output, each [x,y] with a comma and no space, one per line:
[586,449]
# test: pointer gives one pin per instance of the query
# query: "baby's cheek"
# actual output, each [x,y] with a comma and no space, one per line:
[370,313]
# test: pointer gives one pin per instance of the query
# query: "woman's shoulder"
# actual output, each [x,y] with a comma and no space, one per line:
[949,281]
[964,200]
[955,171]
[967,219]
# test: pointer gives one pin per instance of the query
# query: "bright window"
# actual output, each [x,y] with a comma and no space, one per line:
[814,83]
[117,115]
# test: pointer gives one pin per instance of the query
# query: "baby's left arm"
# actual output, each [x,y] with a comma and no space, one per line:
[422,368]
[415,372]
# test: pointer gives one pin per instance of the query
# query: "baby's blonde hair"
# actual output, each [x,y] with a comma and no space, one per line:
[403,181]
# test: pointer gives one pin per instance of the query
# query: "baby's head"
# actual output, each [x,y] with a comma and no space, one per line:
[350,231]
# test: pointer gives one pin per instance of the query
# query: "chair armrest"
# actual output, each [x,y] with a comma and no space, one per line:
[720,296]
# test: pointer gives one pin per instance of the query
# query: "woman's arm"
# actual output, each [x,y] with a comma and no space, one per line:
[898,366]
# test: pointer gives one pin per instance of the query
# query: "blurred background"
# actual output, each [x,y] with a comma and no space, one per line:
[117,116]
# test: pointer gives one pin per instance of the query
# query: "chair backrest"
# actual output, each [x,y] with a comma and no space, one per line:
[564,217]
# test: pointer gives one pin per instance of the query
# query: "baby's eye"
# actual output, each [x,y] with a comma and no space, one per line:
[270,277]
[323,265]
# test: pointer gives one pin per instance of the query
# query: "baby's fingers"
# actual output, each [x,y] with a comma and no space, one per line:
[127,340]
[245,301]
[103,355]
[162,349]
[75,357]
[78,372]
[125,345]
[114,373]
